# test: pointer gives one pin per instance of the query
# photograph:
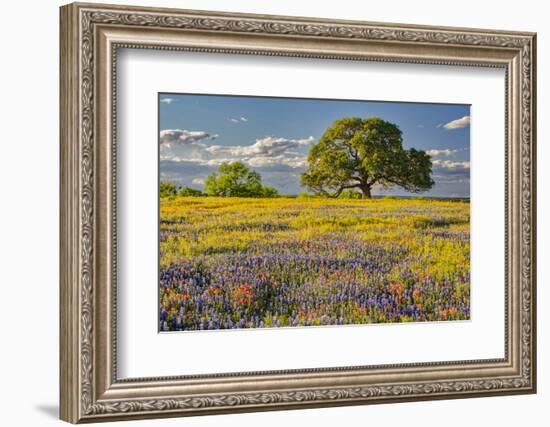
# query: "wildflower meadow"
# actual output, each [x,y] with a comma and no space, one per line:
[230,262]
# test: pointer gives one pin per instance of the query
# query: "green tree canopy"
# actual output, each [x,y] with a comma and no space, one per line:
[236,180]
[188,191]
[357,153]
[268,191]
[167,189]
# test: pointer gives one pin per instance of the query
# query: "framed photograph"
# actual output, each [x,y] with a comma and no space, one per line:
[266,212]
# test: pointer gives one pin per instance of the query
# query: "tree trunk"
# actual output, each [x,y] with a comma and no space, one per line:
[365,189]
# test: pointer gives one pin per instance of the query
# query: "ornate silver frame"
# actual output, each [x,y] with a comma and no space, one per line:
[90,36]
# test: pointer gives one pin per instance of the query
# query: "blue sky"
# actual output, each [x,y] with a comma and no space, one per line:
[274,135]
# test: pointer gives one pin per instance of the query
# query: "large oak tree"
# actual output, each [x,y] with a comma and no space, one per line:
[357,153]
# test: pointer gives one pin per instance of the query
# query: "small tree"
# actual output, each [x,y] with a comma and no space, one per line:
[167,189]
[188,191]
[268,191]
[358,153]
[236,180]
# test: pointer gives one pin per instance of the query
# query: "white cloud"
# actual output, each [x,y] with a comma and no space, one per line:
[198,181]
[186,146]
[238,120]
[182,136]
[452,178]
[441,152]
[255,162]
[268,146]
[458,123]
[293,162]
[167,100]
[449,164]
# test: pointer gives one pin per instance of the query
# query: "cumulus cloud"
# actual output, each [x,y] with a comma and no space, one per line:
[293,162]
[268,146]
[167,100]
[448,172]
[458,123]
[441,152]
[182,136]
[239,119]
[266,153]
[451,178]
[449,164]
[198,181]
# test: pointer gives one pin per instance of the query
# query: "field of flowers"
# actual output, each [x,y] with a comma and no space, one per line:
[230,263]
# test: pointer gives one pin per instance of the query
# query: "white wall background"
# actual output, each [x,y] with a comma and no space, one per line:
[29,170]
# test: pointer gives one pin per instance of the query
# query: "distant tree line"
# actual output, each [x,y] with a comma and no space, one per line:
[171,189]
